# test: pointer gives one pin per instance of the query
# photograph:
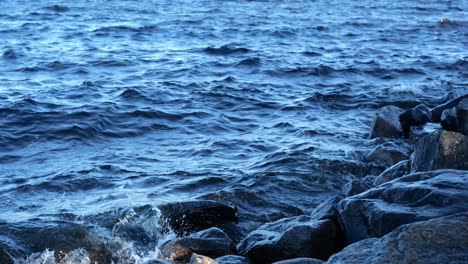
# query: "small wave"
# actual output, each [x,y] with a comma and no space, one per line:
[228,49]
[250,62]
[125,28]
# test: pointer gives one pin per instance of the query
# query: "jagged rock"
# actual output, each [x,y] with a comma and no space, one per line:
[188,217]
[437,111]
[418,132]
[414,197]
[157,261]
[440,150]
[396,171]
[449,120]
[233,259]
[386,123]
[462,116]
[327,209]
[300,261]
[288,238]
[387,154]
[212,242]
[234,231]
[417,116]
[5,258]
[199,259]
[441,240]
[354,187]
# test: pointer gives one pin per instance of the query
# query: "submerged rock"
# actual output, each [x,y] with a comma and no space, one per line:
[233,259]
[212,242]
[441,240]
[415,197]
[288,238]
[396,171]
[440,150]
[300,261]
[438,110]
[188,217]
[199,259]
[386,123]
[417,116]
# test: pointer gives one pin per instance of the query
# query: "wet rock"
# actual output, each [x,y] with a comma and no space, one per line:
[386,123]
[188,217]
[387,154]
[449,120]
[440,150]
[199,259]
[288,238]
[5,258]
[327,209]
[212,242]
[157,261]
[234,231]
[437,111]
[233,259]
[441,240]
[417,116]
[462,116]
[300,261]
[396,171]
[418,132]
[354,187]
[415,197]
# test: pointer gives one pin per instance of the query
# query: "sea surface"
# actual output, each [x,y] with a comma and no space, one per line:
[111,108]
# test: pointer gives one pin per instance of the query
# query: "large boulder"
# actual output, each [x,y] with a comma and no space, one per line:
[300,261]
[386,123]
[440,150]
[188,217]
[438,110]
[233,259]
[462,116]
[441,240]
[396,171]
[288,238]
[200,259]
[417,116]
[212,242]
[414,197]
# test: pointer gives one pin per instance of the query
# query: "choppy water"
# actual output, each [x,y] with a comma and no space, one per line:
[107,106]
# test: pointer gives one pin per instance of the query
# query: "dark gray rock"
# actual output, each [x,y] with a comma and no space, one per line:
[327,209]
[233,259]
[417,116]
[387,154]
[440,150]
[414,197]
[354,187]
[212,242]
[234,231]
[199,259]
[288,238]
[157,261]
[396,171]
[441,240]
[300,261]
[462,116]
[437,111]
[5,258]
[188,217]
[418,132]
[386,123]
[449,120]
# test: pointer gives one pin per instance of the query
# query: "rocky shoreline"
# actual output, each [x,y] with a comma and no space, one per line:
[415,211]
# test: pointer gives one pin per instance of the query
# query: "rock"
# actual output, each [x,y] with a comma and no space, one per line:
[188,217]
[233,259]
[212,242]
[449,120]
[387,154]
[234,231]
[417,116]
[300,261]
[386,123]
[288,238]
[327,209]
[354,187]
[418,132]
[462,116]
[5,258]
[396,171]
[437,111]
[157,261]
[199,259]
[440,150]
[415,197]
[441,240]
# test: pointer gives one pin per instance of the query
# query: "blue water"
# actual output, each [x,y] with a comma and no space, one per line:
[112,105]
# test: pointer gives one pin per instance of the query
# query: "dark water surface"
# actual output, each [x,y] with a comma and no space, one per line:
[106,106]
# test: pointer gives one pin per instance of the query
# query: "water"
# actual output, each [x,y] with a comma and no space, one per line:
[108,106]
